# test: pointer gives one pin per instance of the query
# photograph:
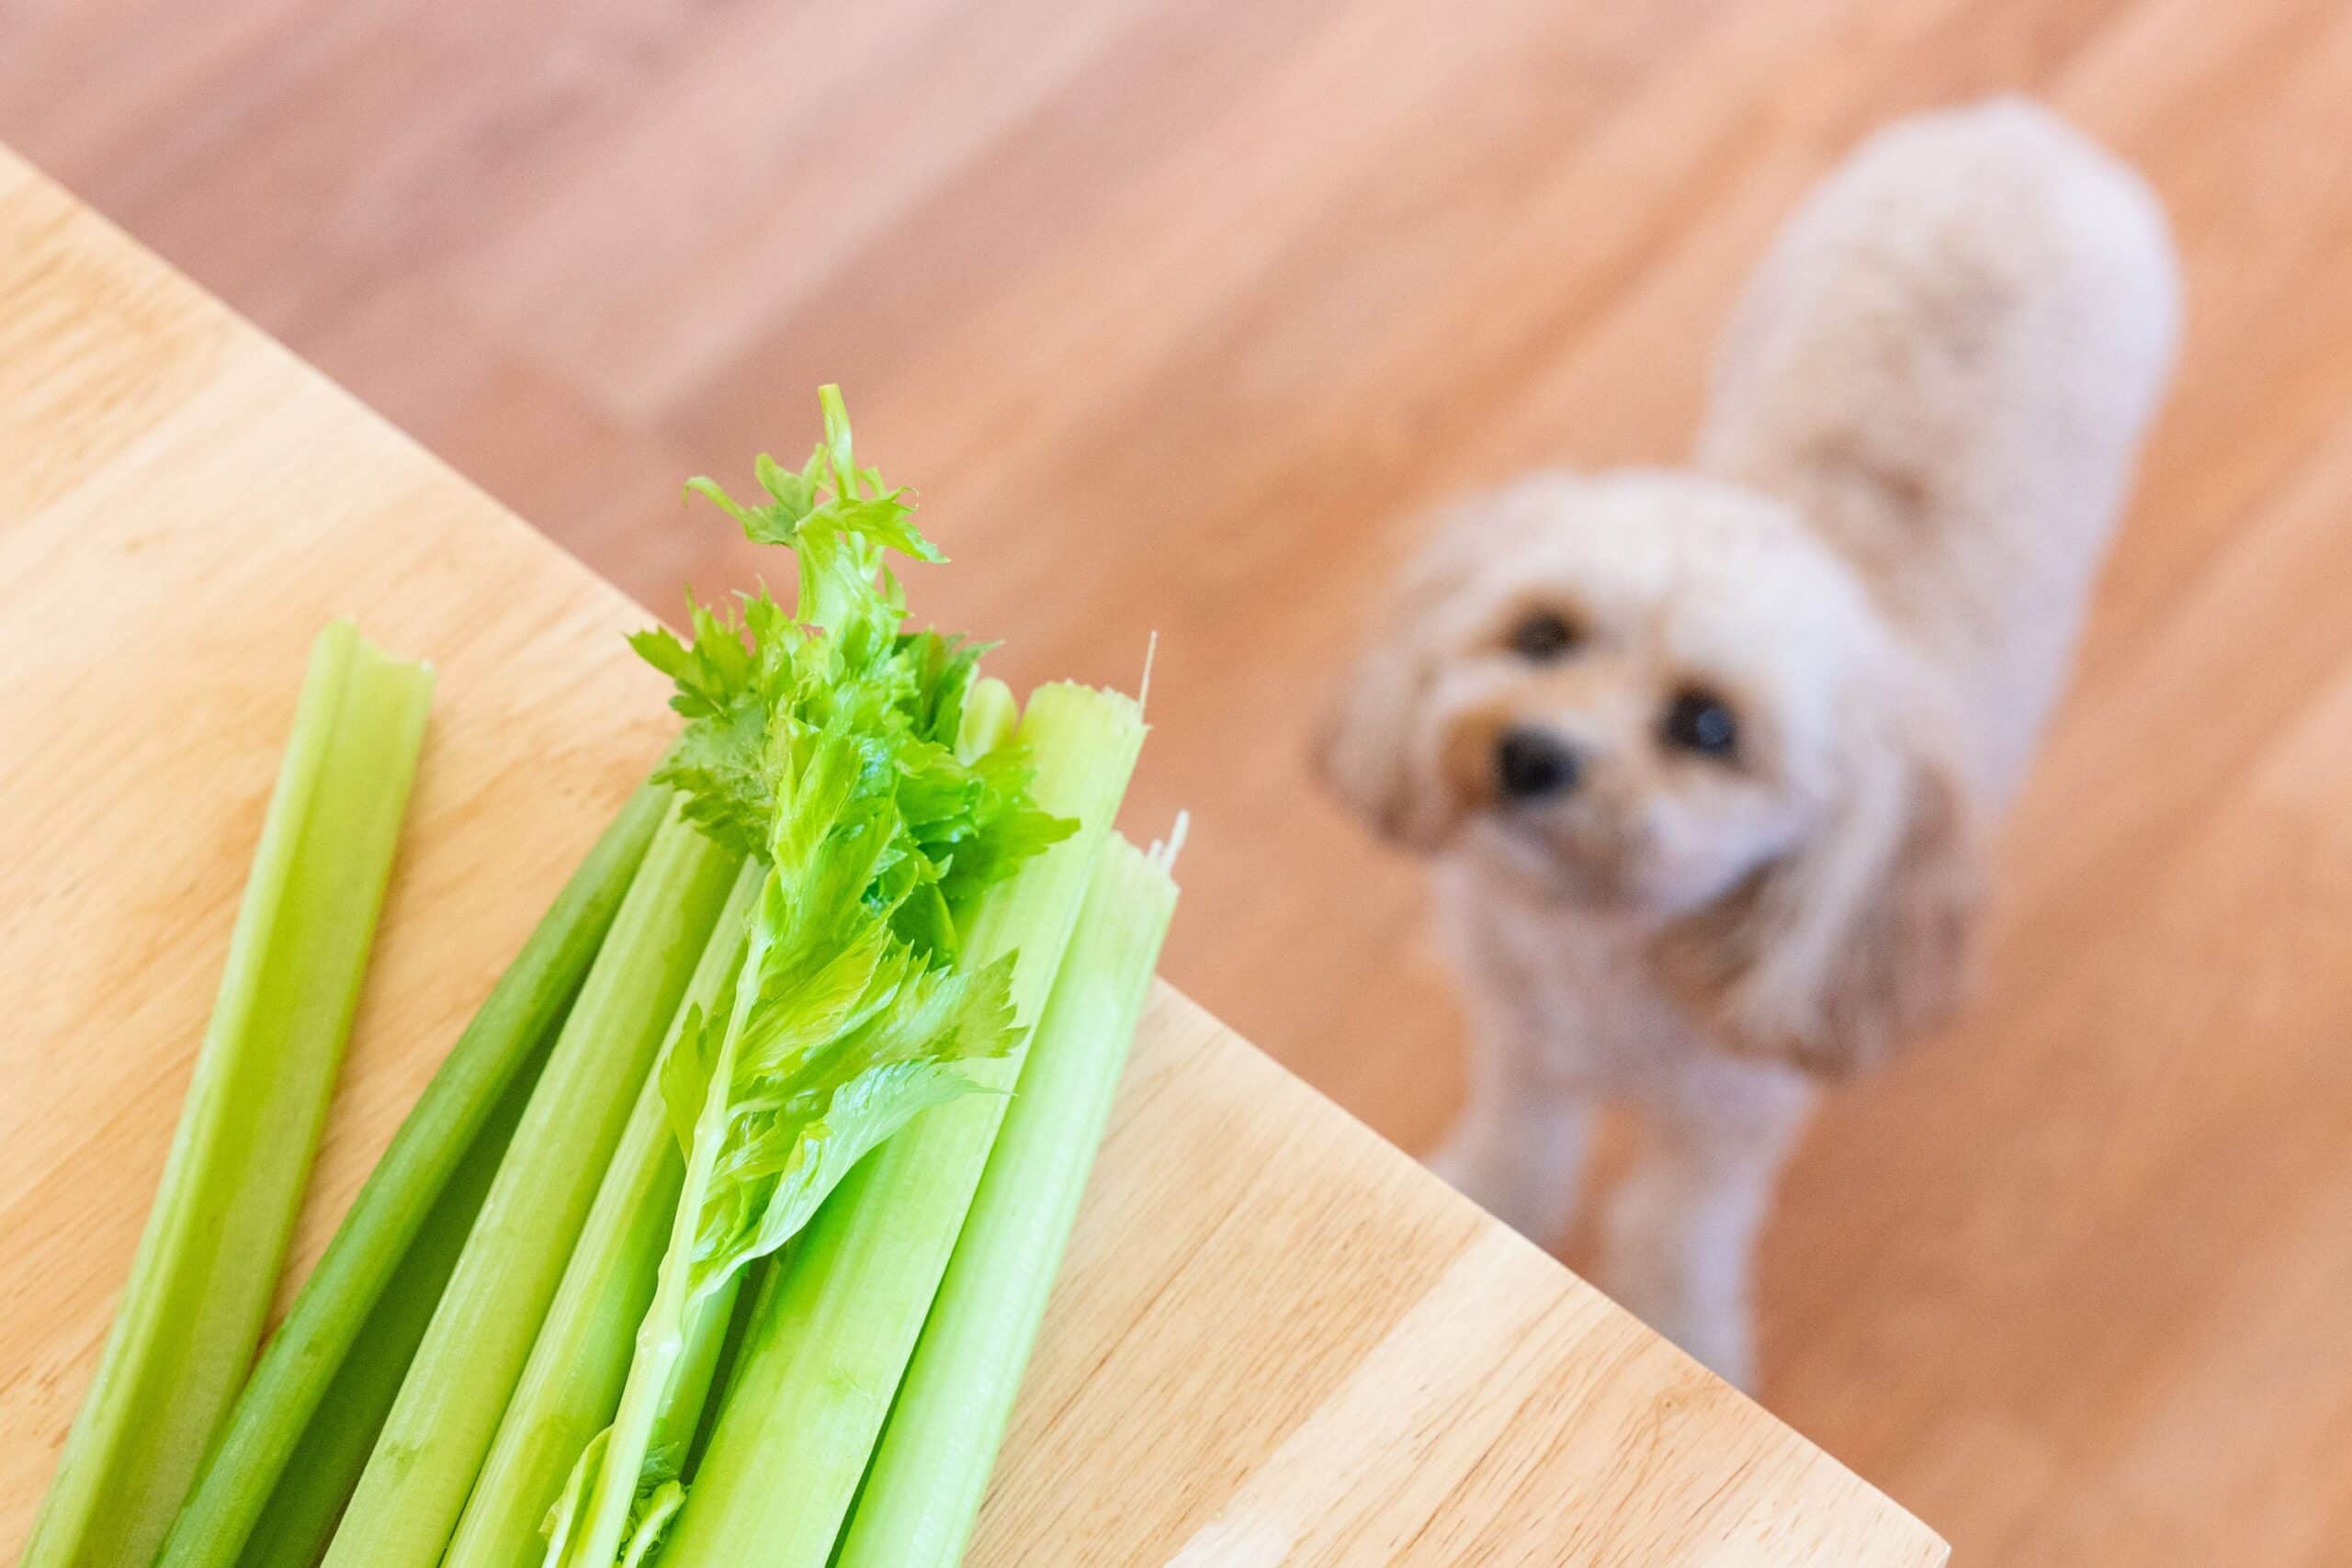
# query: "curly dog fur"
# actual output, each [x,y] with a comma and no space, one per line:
[1705,758]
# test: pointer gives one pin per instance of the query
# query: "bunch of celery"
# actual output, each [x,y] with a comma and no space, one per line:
[791,995]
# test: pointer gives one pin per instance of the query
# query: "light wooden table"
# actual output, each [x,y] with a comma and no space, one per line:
[1276,1340]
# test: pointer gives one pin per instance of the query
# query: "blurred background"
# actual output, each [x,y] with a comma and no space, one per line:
[1176,312]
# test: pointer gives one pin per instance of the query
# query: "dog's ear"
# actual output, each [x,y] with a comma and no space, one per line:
[1365,742]
[1362,740]
[1857,938]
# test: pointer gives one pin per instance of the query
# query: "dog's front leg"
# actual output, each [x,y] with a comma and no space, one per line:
[1518,1150]
[1679,1240]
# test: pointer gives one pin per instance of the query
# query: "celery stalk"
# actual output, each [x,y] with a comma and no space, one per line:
[298,1516]
[924,1487]
[990,717]
[431,1445]
[572,1381]
[697,1374]
[677,1411]
[183,1334]
[367,1256]
[824,1355]
[750,1291]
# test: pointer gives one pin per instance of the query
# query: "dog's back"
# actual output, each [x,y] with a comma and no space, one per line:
[1946,364]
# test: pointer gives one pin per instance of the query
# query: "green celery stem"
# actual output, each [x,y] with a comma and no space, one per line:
[366,1258]
[732,1310]
[824,1355]
[923,1490]
[184,1331]
[680,1411]
[572,1381]
[440,1429]
[991,716]
[662,1333]
[298,1518]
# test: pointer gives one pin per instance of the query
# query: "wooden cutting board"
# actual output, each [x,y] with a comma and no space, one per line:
[1275,1340]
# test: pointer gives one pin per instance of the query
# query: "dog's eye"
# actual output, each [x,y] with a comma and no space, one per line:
[1543,635]
[1698,720]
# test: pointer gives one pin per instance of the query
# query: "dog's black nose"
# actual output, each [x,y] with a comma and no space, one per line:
[1531,765]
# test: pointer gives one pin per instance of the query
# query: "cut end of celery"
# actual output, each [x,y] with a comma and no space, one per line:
[1096,734]
[378,676]
[1164,852]
[1085,740]
[991,716]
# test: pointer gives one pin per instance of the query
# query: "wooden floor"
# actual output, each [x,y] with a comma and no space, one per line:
[1175,311]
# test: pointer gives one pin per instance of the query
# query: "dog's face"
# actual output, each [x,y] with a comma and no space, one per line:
[1663,697]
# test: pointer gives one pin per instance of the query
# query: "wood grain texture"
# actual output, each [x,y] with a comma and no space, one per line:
[1178,309]
[1276,1340]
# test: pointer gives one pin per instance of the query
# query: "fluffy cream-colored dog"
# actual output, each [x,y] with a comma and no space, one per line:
[1706,757]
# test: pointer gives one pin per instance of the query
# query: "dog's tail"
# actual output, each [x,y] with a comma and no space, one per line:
[1947,363]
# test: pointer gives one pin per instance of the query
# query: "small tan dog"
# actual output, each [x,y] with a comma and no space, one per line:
[1706,757]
